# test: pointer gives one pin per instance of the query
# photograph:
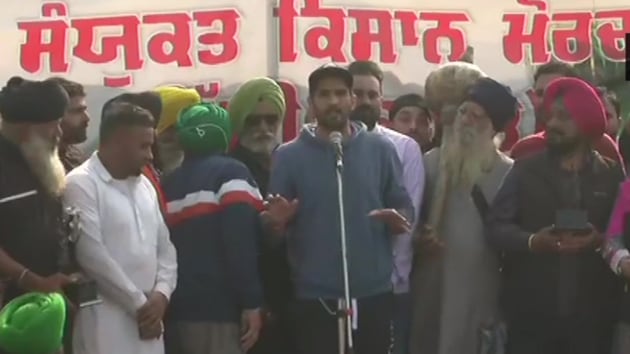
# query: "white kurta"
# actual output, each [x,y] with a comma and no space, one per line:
[125,247]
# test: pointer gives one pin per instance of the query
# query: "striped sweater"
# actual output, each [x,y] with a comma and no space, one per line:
[212,213]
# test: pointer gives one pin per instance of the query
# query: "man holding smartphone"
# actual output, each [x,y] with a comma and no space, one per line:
[559,295]
[571,232]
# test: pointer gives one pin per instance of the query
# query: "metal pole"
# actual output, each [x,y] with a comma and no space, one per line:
[341,326]
[346,314]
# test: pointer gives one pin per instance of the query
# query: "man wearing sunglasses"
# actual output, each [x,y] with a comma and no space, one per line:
[257,111]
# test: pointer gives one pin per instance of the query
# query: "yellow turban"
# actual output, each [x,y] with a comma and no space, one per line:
[247,97]
[174,100]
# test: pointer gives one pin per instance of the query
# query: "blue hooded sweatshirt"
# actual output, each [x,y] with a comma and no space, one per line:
[305,169]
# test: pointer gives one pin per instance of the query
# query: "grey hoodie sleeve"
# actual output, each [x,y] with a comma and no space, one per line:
[396,196]
[280,180]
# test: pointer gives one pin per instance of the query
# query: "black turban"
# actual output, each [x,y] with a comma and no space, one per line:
[496,99]
[409,100]
[35,102]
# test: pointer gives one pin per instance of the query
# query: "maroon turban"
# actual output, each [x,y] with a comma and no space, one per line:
[581,101]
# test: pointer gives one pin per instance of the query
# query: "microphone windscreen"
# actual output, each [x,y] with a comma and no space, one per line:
[335,137]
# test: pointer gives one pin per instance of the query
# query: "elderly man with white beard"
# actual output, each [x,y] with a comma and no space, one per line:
[257,111]
[174,99]
[455,280]
[31,183]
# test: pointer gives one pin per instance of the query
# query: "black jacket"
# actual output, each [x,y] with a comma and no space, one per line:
[277,336]
[535,285]
[274,264]
[31,227]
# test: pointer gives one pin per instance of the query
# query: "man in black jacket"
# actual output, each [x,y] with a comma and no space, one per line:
[559,295]
[257,111]
[32,178]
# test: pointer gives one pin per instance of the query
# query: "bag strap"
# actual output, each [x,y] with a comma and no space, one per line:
[480,201]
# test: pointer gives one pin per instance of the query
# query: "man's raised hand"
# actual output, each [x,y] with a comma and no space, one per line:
[396,222]
[279,212]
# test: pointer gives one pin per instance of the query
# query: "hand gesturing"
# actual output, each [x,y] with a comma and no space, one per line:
[397,223]
[279,211]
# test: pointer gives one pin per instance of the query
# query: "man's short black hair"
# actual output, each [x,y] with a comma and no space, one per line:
[148,100]
[120,115]
[367,67]
[557,68]
[73,88]
[328,71]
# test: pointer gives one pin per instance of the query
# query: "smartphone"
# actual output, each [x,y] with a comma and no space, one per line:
[572,220]
[83,293]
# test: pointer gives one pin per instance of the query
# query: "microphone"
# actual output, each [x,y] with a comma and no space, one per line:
[336,139]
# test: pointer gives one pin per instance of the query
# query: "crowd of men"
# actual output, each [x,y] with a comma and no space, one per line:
[205,235]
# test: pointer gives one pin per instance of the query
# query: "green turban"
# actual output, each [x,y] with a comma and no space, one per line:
[247,97]
[33,323]
[204,128]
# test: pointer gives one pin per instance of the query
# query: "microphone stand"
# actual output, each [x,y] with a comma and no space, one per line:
[344,306]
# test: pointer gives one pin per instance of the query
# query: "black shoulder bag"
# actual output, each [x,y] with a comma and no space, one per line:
[480,201]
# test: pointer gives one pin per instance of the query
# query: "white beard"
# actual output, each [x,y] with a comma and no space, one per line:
[465,156]
[171,156]
[259,146]
[468,155]
[45,163]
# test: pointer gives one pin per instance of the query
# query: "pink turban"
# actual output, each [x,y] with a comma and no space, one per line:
[581,101]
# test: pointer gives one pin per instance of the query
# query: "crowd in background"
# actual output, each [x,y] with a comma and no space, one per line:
[204,234]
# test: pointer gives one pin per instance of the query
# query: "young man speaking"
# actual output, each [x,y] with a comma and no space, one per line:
[304,178]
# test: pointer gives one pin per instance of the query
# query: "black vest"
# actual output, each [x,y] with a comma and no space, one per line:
[30,219]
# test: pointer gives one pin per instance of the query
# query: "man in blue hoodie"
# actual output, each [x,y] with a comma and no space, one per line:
[304,208]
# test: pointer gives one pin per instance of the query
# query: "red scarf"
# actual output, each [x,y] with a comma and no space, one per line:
[153,176]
